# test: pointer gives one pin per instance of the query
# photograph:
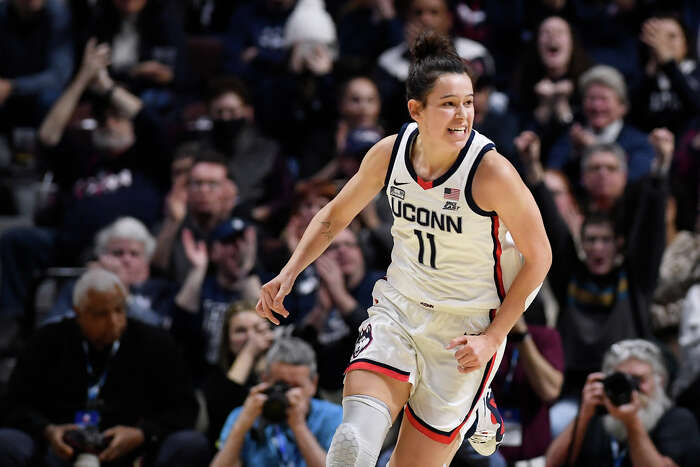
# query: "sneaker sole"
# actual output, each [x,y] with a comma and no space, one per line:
[484,448]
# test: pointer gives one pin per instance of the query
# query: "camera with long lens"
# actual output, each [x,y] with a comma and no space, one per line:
[618,386]
[274,409]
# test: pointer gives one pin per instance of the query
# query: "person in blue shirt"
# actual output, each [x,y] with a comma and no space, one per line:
[303,437]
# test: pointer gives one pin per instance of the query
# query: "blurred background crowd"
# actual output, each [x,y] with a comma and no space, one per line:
[184,146]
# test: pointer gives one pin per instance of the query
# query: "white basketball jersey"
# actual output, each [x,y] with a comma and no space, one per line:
[448,253]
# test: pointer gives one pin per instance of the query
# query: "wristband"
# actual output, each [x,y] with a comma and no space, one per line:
[107,96]
[517,337]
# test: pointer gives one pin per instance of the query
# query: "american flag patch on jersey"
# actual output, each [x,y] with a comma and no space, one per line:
[452,193]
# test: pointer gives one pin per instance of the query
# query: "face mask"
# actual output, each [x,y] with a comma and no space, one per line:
[225,132]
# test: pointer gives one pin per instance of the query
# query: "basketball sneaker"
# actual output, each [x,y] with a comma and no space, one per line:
[488,429]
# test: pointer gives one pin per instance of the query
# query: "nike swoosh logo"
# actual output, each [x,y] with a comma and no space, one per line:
[400,183]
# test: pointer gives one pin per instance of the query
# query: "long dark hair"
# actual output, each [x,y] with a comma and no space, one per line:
[432,55]
[531,69]
[226,357]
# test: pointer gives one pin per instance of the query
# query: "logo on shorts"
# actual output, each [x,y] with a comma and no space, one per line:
[363,340]
[427,305]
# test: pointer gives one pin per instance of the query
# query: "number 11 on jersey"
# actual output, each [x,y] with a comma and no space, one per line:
[421,247]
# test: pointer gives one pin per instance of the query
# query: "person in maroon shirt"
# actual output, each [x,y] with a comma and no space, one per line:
[528,381]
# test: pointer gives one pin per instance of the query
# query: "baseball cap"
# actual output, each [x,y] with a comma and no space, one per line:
[229,229]
[359,140]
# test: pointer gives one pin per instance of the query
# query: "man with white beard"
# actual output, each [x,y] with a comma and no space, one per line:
[645,431]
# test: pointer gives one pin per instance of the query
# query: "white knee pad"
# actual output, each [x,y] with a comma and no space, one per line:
[358,440]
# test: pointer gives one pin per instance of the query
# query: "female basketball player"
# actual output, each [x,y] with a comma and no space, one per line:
[456,283]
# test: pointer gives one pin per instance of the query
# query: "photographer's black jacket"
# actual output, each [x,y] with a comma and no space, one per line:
[675,435]
[146,385]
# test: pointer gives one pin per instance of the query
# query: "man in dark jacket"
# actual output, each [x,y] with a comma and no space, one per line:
[104,373]
[641,426]
[255,162]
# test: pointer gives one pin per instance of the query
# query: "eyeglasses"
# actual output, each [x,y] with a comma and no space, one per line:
[338,245]
[208,184]
[603,168]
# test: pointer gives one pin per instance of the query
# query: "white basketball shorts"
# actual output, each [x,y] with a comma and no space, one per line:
[405,341]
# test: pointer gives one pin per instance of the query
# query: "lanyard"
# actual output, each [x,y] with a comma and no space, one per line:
[279,441]
[93,391]
[511,370]
[618,455]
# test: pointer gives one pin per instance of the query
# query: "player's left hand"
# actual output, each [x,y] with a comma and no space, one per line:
[473,351]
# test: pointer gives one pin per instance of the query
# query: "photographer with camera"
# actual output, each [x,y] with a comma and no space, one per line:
[280,422]
[102,385]
[641,426]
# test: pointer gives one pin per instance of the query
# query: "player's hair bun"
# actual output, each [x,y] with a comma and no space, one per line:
[433,54]
[431,44]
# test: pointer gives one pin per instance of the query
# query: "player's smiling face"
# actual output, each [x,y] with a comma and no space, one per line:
[447,115]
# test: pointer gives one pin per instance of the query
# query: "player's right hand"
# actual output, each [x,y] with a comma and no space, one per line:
[473,352]
[272,298]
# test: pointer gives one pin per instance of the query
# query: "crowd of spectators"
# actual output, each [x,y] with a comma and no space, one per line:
[175,151]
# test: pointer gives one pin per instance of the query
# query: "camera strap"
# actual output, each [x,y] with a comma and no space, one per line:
[93,390]
[283,447]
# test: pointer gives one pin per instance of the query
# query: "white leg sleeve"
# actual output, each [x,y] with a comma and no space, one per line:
[358,440]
